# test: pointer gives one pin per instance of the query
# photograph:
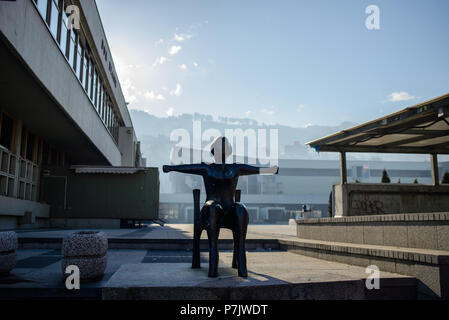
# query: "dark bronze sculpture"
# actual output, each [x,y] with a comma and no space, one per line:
[220,210]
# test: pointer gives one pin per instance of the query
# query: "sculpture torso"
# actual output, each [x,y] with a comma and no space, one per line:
[220,181]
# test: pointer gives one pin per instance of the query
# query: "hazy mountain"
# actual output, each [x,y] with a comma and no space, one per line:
[154,133]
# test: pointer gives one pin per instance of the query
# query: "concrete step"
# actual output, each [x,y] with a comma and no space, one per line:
[429,267]
[155,244]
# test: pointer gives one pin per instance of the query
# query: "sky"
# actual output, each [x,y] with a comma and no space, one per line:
[295,63]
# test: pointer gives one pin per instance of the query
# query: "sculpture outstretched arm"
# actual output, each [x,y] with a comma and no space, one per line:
[246,170]
[197,169]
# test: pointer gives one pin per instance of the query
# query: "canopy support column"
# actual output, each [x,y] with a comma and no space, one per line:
[343,170]
[434,165]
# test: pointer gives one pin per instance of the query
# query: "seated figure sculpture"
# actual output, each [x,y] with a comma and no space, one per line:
[220,210]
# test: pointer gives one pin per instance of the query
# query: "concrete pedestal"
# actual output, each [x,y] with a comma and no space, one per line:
[271,276]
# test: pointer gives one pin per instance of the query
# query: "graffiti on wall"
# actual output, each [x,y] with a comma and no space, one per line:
[367,204]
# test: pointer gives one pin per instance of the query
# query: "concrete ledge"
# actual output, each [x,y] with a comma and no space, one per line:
[430,267]
[18,207]
[424,230]
[155,244]
[432,216]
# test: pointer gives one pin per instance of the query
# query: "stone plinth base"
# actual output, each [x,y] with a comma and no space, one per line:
[265,282]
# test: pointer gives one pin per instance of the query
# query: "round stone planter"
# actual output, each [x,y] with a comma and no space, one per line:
[88,251]
[8,247]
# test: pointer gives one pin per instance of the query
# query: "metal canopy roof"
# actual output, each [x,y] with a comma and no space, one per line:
[423,128]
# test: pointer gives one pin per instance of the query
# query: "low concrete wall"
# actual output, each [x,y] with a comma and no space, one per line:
[361,199]
[423,230]
[17,213]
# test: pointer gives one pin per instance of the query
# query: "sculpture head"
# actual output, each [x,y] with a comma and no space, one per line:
[221,149]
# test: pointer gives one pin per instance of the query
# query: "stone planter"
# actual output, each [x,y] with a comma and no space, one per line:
[88,251]
[8,247]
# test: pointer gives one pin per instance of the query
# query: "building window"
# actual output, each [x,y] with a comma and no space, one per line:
[64,34]
[86,70]
[54,18]
[111,110]
[94,90]
[42,6]
[108,116]
[91,75]
[79,61]
[98,93]
[106,101]
[101,99]
[72,49]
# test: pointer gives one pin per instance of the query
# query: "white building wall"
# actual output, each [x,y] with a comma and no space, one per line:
[22,25]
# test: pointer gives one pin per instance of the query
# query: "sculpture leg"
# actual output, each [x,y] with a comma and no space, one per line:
[214,213]
[236,250]
[196,258]
[242,220]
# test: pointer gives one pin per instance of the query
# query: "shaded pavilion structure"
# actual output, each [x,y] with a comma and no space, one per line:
[419,129]
[396,227]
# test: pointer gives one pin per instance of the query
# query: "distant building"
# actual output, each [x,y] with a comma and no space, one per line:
[61,103]
[299,182]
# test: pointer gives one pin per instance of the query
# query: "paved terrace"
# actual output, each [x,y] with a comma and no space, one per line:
[143,267]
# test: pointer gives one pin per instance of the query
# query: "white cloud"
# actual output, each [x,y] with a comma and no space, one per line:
[160,41]
[170,111]
[195,64]
[174,50]
[300,107]
[160,60]
[153,96]
[400,96]
[183,66]
[177,91]
[247,113]
[182,37]
[129,91]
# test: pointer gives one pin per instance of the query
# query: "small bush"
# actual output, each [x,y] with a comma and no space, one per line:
[385,177]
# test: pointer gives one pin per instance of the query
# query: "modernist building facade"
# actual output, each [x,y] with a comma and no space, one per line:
[299,182]
[61,103]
